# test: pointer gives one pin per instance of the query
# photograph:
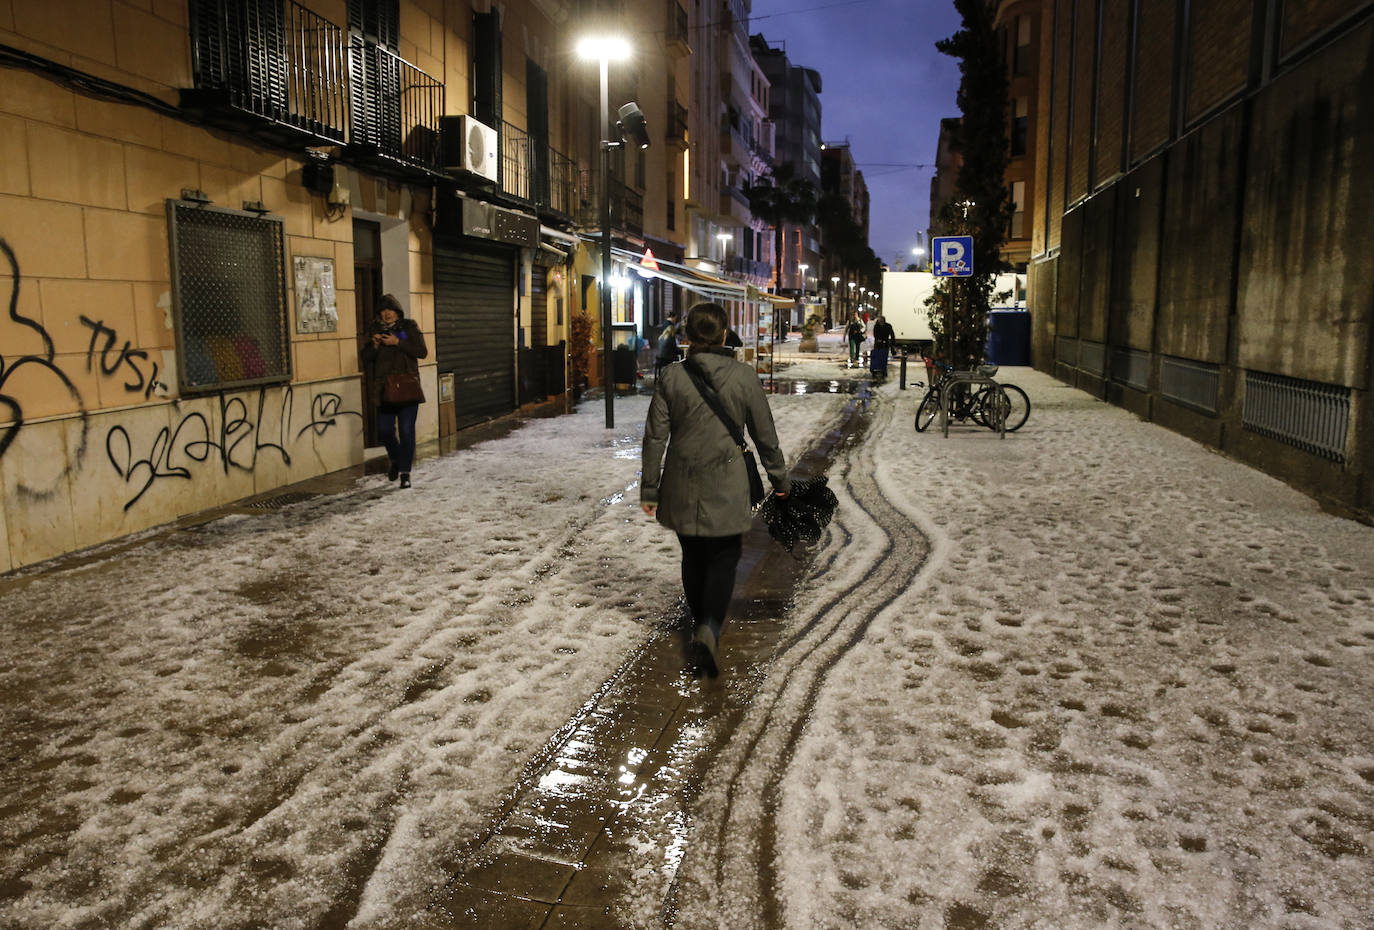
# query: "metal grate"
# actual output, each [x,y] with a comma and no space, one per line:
[1193,384]
[228,297]
[1092,357]
[1312,416]
[1131,368]
[1066,351]
[279,501]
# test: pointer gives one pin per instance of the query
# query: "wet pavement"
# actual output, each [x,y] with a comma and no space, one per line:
[616,785]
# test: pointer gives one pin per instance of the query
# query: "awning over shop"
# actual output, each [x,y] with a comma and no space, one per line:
[698,281]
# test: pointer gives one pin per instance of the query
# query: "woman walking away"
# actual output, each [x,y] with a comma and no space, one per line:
[390,356]
[702,490]
[856,333]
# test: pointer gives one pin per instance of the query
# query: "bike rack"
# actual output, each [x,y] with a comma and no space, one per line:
[969,378]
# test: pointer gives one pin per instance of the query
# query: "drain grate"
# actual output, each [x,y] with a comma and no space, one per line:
[279,501]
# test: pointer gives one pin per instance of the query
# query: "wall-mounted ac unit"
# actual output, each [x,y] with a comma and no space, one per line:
[469,146]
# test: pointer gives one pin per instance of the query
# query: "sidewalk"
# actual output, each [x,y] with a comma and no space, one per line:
[1088,676]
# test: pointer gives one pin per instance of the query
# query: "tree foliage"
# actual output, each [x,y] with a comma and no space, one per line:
[851,256]
[784,199]
[981,206]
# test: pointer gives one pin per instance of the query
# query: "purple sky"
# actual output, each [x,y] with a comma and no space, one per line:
[883,86]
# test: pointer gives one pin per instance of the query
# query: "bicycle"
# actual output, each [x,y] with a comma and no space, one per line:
[990,405]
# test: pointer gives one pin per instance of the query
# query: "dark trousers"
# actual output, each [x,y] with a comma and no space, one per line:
[391,421]
[708,575]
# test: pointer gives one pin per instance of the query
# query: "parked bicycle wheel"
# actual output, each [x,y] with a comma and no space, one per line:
[1019,409]
[926,413]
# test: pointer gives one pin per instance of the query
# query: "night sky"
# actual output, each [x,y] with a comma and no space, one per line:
[884,87]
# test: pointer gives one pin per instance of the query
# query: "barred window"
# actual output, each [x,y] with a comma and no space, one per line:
[229,306]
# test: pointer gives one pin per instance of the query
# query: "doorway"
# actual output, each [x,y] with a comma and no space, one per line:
[367,284]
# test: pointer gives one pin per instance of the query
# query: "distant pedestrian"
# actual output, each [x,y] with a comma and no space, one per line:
[855,332]
[667,351]
[884,340]
[702,490]
[391,355]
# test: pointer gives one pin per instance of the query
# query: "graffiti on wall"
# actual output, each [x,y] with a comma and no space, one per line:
[50,376]
[230,436]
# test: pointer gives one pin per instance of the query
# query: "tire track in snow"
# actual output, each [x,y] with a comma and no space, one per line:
[743,841]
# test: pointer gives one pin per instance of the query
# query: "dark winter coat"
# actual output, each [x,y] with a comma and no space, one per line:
[884,336]
[702,489]
[381,361]
[855,331]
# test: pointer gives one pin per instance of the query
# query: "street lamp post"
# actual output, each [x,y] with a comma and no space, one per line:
[603,49]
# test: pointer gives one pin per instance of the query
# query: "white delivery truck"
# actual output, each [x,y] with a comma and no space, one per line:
[904,306]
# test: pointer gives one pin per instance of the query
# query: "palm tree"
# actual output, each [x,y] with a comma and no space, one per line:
[785,199]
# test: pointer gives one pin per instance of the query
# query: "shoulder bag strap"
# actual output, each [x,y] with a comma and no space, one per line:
[712,399]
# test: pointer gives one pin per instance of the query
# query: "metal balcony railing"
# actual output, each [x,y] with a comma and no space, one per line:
[675,132]
[536,173]
[677,35]
[627,205]
[270,68]
[394,110]
[737,264]
[515,178]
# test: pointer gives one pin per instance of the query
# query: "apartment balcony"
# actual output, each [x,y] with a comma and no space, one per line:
[675,133]
[269,69]
[749,268]
[536,174]
[627,205]
[734,204]
[394,111]
[677,33]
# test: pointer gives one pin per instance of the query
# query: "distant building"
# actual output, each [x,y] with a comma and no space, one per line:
[795,109]
[1202,251]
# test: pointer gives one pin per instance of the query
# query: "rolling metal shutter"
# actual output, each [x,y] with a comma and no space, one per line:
[474,323]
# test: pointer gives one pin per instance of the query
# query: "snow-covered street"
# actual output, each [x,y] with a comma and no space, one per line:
[1091,675]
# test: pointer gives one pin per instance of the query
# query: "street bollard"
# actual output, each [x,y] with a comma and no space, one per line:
[902,382]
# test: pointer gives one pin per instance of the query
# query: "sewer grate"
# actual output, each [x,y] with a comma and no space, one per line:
[279,501]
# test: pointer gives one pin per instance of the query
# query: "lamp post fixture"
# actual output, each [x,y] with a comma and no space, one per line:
[724,239]
[801,272]
[604,49]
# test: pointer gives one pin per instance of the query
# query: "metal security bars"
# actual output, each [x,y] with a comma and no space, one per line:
[271,59]
[229,304]
[1193,384]
[1312,416]
[394,109]
[1132,368]
[1092,357]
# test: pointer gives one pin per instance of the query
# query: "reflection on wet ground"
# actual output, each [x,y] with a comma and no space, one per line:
[605,809]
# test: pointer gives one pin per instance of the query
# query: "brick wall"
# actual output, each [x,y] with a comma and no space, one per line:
[1154,78]
[1084,75]
[1218,52]
[1111,102]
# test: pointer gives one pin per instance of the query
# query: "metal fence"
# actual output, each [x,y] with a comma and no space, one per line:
[1309,415]
[1193,384]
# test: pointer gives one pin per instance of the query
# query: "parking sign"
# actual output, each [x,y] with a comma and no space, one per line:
[953,256]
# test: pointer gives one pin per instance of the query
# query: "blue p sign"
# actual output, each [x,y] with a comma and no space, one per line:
[953,256]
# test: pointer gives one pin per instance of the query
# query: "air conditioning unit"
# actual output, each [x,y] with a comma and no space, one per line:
[469,146]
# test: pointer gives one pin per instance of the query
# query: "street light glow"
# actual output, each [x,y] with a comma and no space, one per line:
[603,48]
